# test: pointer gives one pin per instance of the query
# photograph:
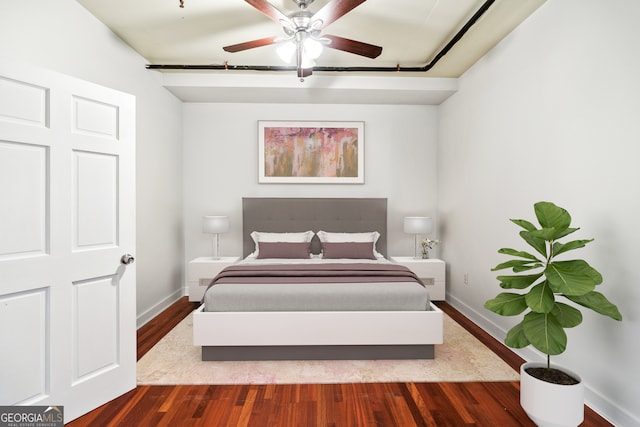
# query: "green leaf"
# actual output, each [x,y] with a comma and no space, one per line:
[559,248]
[521,254]
[574,277]
[524,224]
[567,232]
[545,332]
[512,263]
[507,304]
[552,216]
[598,303]
[540,298]
[568,316]
[516,338]
[538,244]
[521,268]
[546,234]
[518,282]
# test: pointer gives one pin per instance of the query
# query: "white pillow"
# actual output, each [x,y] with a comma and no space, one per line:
[330,237]
[262,236]
[326,236]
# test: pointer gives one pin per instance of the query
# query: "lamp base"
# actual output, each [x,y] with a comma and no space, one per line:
[215,247]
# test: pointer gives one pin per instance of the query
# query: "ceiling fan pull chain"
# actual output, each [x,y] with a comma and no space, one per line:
[182,4]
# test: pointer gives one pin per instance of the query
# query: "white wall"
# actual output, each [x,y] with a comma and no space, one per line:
[61,35]
[552,114]
[221,165]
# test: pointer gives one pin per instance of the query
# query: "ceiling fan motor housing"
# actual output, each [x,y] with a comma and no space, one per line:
[301,20]
[303,4]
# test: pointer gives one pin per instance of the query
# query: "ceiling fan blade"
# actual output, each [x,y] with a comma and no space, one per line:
[334,10]
[269,10]
[353,46]
[251,44]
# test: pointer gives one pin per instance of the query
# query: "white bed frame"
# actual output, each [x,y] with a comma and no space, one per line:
[317,334]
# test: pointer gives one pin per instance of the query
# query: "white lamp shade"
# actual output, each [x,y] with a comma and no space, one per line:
[312,47]
[215,224]
[286,51]
[417,225]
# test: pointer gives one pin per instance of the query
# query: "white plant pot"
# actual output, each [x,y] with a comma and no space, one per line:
[551,405]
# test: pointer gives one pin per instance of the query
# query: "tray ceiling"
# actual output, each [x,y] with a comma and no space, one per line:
[412,33]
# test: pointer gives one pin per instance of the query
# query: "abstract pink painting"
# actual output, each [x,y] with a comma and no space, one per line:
[311,152]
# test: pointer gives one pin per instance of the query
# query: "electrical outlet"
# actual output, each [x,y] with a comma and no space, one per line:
[466,278]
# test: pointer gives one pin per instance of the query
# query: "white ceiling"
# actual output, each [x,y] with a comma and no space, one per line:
[411,32]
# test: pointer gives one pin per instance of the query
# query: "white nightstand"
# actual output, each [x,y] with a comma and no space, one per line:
[430,271]
[201,271]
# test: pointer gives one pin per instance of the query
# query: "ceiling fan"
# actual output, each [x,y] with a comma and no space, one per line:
[302,29]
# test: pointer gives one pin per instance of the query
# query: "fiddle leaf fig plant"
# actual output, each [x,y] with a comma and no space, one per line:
[546,283]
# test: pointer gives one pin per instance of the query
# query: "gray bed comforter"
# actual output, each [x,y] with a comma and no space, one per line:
[318,287]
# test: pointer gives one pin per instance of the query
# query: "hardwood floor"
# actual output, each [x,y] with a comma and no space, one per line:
[305,405]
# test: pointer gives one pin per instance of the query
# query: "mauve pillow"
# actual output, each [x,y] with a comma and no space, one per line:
[261,236]
[332,237]
[284,250]
[353,250]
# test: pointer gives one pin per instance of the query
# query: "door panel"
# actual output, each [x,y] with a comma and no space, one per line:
[25,197]
[27,352]
[23,103]
[95,118]
[67,175]
[95,303]
[95,200]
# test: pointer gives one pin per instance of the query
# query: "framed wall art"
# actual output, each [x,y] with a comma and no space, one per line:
[311,152]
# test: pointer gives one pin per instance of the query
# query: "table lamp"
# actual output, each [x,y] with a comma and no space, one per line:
[417,225]
[213,224]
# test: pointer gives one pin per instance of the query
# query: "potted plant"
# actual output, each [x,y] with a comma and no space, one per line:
[546,287]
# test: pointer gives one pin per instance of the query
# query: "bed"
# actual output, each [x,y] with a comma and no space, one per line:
[389,316]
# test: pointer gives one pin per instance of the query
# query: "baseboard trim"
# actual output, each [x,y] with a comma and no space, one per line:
[158,308]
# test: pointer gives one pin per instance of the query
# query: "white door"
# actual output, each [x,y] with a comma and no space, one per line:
[67,216]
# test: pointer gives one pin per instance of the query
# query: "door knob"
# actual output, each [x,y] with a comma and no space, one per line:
[127,259]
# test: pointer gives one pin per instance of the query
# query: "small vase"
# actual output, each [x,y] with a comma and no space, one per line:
[425,254]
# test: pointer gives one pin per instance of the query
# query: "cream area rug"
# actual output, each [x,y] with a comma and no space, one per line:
[462,357]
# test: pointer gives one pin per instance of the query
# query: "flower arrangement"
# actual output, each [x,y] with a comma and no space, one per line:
[429,244]
[426,245]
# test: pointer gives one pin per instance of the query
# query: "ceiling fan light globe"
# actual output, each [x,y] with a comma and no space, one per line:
[313,48]
[286,51]
[307,62]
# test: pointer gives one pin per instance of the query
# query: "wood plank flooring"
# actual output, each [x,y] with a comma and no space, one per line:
[305,405]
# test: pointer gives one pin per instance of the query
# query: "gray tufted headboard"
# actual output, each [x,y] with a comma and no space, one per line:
[275,214]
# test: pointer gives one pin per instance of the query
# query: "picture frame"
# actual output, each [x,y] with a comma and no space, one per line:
[310,152]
